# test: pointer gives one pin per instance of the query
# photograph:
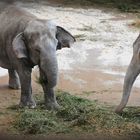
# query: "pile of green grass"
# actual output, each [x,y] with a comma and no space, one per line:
[77,116]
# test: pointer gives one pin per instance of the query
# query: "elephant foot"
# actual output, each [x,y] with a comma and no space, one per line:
[30,103]
[14,84]
[118,111]
[52,106]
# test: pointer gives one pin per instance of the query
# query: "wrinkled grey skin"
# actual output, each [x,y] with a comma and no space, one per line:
[131,75]
[26,41]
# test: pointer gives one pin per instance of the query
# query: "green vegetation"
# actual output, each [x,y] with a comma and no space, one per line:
[123,5]
[77,116]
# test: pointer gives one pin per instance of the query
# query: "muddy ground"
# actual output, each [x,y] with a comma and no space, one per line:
[95,66]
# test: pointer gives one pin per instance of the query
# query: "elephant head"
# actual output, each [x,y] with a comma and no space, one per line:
[131,75]
[37,45]
[39,41]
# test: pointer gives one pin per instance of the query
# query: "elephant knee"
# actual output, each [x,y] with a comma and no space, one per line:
[52,83]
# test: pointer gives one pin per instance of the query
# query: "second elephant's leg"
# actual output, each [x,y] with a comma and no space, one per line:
[130,77]
[14,82]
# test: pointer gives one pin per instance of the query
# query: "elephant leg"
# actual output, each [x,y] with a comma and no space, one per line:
[26,89]
[14,82]
[131,74]
[49,95]
[50,98]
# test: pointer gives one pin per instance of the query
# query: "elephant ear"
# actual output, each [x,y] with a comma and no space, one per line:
[19,47]
[65,39]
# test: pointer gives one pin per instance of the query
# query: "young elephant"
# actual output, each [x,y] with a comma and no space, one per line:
[131,74]
[26,41]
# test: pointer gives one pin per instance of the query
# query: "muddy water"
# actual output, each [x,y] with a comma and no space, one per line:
[95,66]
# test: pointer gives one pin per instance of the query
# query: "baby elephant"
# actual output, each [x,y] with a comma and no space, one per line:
[26,41]
[131,74]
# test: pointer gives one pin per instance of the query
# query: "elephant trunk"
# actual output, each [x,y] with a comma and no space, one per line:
[49,67]
[131,74]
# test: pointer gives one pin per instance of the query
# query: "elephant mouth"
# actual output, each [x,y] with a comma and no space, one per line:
[31,63]
[59,47]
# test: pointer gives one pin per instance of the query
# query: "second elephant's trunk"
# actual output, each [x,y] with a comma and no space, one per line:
[131,74]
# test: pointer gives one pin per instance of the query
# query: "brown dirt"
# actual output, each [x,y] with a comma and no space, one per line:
[95,87]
